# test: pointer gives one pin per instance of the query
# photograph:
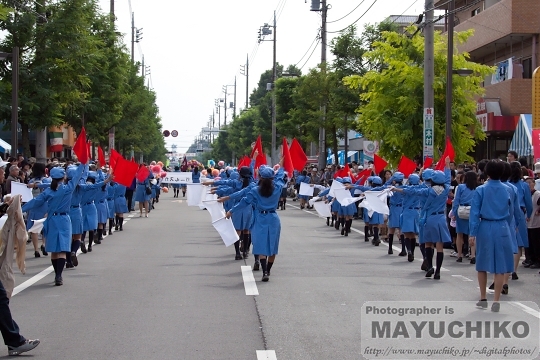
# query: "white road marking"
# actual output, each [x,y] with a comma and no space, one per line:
[488,290]
[525,308]
[461,277]
[34,279]
[266,355]
[249,281]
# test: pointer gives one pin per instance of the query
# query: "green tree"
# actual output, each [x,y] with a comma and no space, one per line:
[392,96]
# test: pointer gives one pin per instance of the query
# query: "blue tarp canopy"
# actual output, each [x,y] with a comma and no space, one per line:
[351,156]
[4,146]
[522,140]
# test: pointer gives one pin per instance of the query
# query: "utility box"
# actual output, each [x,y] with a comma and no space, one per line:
[315,5]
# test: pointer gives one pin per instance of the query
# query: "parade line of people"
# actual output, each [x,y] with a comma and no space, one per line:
[489,214]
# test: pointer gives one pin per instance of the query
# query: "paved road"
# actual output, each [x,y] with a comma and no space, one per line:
[167,288]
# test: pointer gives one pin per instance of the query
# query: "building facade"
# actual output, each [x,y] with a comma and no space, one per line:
[505,36]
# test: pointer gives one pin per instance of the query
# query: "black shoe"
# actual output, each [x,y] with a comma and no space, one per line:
[116,228]
[514,276]
[366,239]
[245,255]
[97,242]
[256,266]
[121,228]
[390,251]
[430,272]
[535,266]
[403,253]
[238,257]
[83,248]
[492,286]
[43,251]
[482,304]
[74,259]
[346,233]
[526,263]
[459,259]
[437,276]
[265,277]
[58,281]
[36,254]
[110,232]
[473,261]
[327,222]
[343,231]
[424,266]
[26,346]
[504,290]
[89,248]
[495,307]
[69,266]
[410,257]
[376,242]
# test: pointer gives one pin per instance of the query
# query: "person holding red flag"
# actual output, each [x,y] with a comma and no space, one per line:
[143,191]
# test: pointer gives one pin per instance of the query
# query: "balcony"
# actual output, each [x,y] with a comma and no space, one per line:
[503,23]
[515,96]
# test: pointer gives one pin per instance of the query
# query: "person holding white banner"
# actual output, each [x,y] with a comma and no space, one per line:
[436,231]
[266,227]
[346,212]
[409,217]
[376,219]
[304,178]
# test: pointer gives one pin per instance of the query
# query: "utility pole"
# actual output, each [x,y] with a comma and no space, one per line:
[112,130]
[234,108]
[429,72]
[14,101]
[225,106]
[41,134]
[133,37]
[143,68]
[112,11]
[274,78]
[322,131]
[450,69]
[244,70]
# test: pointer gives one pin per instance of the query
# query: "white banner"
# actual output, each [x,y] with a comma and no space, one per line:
[195,194]
[177,178]
[21,189]
[215,209]
[306,189]
[335,185]
[322,209]
[376,202]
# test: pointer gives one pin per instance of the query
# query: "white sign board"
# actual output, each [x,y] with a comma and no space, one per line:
[177,178]
[429,116]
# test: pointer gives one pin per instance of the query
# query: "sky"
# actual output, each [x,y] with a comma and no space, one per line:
[194,48]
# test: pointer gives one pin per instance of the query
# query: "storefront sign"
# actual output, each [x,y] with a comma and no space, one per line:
[536,144]
[429,115]
[481,114]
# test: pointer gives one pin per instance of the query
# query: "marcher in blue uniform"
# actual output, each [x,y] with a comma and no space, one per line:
[463,198]
[396,208]
[196,175]
[525,204]
[376,219]
[303,178]
[142,194]
[38,177]
[88,208]
[102,208]
[490,232]
[176,187]
[346,213]
[409,217]
[426,177]
[435,228]
[120,206]
[266,227]
[111,188]
[283,198]
[57,227]
[335,206]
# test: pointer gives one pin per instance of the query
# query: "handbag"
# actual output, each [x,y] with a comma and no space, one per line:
[148,190]
[463,212]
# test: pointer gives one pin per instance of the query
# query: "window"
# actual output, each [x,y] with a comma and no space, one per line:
[475,12]
[527,68]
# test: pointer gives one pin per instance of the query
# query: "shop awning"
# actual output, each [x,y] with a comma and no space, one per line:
[522,140]
[4,146]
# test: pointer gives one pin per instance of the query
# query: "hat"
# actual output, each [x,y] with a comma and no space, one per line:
[245,171]
[71,171]
[46,180]
[32,160]
[438,177]
[537,168]
[57,173]
[93,175]
[266,173]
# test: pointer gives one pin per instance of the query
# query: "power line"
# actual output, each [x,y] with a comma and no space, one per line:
[357,20]
[315,48]
[281,11]
[407,9]
[341,18]
[309,48]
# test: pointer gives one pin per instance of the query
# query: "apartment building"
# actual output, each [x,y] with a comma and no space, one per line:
[506,35]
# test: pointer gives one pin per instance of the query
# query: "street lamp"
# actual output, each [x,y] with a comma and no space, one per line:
[14,95]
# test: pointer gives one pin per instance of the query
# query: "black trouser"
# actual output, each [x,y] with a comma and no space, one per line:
[129,197]
[8,326]
[534,244]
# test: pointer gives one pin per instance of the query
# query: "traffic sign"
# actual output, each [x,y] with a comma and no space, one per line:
[166,133]
[174,133]
[428,132]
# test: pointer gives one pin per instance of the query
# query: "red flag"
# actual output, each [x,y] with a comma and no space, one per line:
[133,160]
[142,174]
[124,172]
[362,175]
[406,166]
[345,172]
[113,158]
[428,162]
[379,163]
[244,161]
[287,160]
[261,158]
[448,151]
[89,147]
[80,148]
[101,156]
[298,156]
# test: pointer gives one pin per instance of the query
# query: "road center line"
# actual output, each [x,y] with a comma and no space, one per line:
[266,355]
[249,281]
[461,277]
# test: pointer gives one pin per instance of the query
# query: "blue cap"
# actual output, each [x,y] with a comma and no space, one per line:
[234,175]
[46,180]
[370,178]
[71,171]
[266,172]
[339,179]
[375,180]
[414,179]
[427,174]
[93,175]
[346,180]
[398,176]
[57,173]
[438,177]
